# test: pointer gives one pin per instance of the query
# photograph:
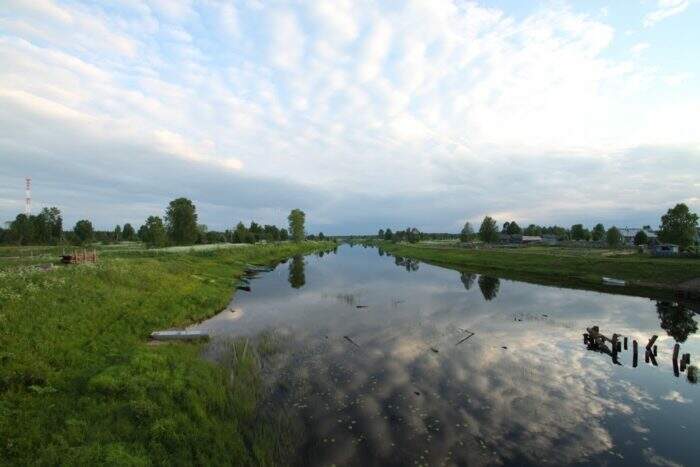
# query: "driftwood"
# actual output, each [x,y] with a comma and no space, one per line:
[470,335]
[178,335]
[352,342]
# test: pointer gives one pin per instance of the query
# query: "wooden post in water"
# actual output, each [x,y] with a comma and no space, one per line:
[676,348]
[651,341]
[652,358]
[634,354]
[625,341]
[655,354]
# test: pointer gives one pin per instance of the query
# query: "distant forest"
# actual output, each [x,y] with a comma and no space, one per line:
[178,227]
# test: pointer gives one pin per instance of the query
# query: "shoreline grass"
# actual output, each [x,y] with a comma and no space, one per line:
[566,267]
[79,385]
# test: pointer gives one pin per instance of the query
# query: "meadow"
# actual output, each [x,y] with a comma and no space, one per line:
[563,266]
[81,385]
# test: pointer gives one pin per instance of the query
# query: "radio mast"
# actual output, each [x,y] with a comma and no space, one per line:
[28,197]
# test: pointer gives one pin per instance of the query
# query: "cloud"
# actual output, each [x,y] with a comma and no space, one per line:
[665,9]
[286,46]
[418,114]
[676,79]
[675,396]
[639,48]
[542,398]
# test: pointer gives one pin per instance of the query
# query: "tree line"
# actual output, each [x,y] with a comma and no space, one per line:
[678,226]
[178,227]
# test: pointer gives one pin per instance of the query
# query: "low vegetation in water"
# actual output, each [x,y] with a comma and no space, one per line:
[80,385]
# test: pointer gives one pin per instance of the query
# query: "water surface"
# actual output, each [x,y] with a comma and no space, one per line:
[388,361]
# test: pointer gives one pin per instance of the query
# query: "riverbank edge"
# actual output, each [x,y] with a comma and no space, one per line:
[105,396]
[640,282]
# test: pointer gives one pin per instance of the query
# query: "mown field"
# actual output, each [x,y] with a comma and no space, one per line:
[80,385]
[570,267]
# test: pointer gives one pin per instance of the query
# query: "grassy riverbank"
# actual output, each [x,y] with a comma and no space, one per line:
[569,267]
[79,384]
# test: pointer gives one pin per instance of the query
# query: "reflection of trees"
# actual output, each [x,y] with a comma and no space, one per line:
[381,252]
[297,279]
[676,320]
[408,263]
[467,279]
[489,286]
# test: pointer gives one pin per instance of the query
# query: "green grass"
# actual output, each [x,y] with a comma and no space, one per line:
[570,267]
[79,385]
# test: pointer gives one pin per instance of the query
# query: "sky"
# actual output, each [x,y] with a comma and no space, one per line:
[366,115]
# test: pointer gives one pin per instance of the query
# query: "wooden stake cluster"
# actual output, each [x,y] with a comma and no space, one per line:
[597,341]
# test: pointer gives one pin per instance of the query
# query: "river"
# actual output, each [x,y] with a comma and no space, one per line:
[388,361]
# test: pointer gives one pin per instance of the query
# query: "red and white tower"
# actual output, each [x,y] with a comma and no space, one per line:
[28,197]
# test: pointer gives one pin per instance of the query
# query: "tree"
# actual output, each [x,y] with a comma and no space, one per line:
[489,287]
[296,276]
[154,232]
[467,279]
[598,232]
[676,320]
[143,233]
[47,226]
[641,238]
[388,235]
[240,233]
[514,229]
[488,232]
[256,231]
[271,233]
[380,234]
[181,221]
[297,219]
[613,237]
[679,226]
[321,236]
[83,231]
[40,229]
[412,235]
[506,226]
[578,232]
[284,235]
[128,233]
[117,233]
[533,230]
[21,229]
[467,233]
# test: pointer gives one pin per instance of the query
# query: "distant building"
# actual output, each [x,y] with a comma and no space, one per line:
[531,239]
[664,249]
[628,235]
[549,239]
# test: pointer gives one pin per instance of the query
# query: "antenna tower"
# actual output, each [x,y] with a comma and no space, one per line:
[28,197]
